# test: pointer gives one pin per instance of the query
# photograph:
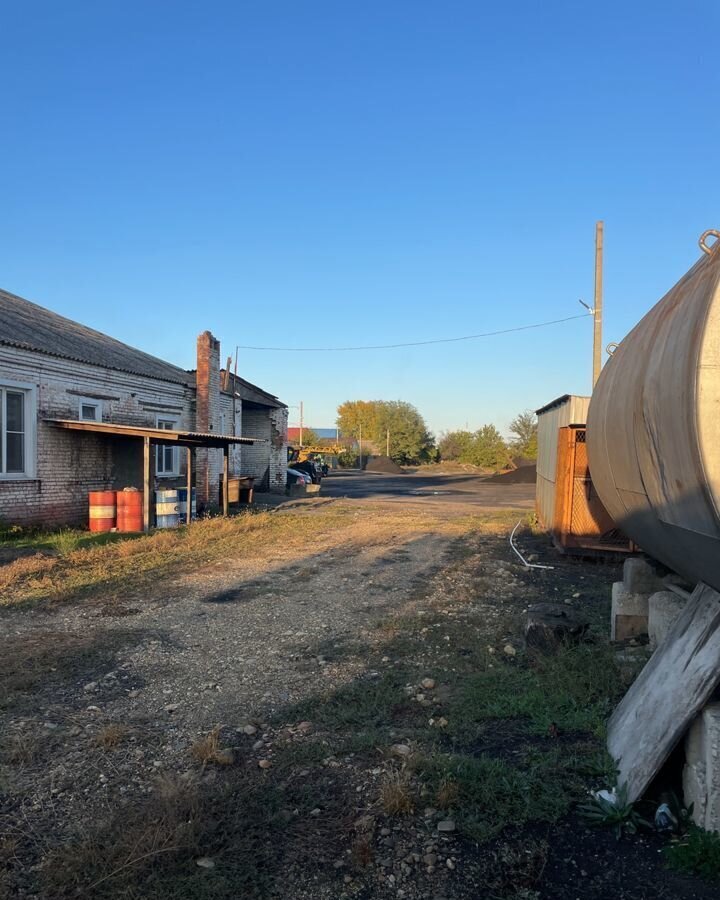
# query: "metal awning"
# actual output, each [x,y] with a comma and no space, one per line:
[155,435]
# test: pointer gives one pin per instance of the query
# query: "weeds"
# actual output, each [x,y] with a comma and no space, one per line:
[208,750]
[111,735]
[615,813]
[396,795]
[697,853]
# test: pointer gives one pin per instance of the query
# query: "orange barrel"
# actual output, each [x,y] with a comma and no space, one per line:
[130,510]
[102,510]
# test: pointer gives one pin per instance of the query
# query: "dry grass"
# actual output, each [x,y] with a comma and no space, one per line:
[396,795]
[97,572]
[111,735]
[21,749]
[361,852]
[447,794]
[208,750]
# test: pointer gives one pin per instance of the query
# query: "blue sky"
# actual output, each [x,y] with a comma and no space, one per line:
[326,173]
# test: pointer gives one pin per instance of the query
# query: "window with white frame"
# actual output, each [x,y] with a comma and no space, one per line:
[167,460]
[17,431]
[90,410]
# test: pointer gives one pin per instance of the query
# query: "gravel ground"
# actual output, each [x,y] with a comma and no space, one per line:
[132,714]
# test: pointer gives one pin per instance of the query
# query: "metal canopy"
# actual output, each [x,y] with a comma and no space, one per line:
[155,435]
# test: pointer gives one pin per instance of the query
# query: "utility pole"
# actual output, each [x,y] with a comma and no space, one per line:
[301,422]
[387,451]
[360,445]
[598,303]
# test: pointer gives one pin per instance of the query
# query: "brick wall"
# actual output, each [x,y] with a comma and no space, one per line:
[278,449]
[69,464]
[208,463]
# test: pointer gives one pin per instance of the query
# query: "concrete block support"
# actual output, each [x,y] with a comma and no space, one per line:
[629,616]
[663,608]
[701,775]
[639,577]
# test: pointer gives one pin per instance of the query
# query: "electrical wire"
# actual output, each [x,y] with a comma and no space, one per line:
[452,340]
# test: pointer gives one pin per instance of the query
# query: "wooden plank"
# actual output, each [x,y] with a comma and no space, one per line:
[676,683]
[147,482]
[226,480]
[188,513]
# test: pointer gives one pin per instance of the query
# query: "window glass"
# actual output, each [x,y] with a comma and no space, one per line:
[166,458]
[88,411]
[15,403]
[12,432]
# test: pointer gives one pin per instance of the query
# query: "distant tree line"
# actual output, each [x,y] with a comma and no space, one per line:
[487,448]
[412,443]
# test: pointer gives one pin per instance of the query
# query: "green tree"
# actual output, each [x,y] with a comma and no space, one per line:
[484,447]
[309,437]
[410,439]
[524,430]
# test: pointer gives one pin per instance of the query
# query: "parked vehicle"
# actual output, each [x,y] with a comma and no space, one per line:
[295,476]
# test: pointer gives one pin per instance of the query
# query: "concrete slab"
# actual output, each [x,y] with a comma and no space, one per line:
[663,608]
[629,613]
[701,775]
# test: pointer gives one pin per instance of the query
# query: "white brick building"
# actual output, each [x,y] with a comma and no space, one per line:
[54,369]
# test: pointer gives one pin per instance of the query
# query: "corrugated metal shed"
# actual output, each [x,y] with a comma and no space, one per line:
[569,409]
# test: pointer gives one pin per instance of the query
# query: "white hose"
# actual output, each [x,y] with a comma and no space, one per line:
[519,554]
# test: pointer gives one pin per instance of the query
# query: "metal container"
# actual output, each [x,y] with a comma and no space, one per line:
[167,508]
[129,510]
[654,426]
[182,505]
[102,510]
[566,410]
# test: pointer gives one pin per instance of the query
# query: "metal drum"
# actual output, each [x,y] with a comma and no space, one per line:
[102,510]
[129,510]
[167,506]
[653,429]
[182,505]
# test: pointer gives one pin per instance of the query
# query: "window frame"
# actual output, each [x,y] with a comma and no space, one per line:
[29,432]
[90,401]
[174,420]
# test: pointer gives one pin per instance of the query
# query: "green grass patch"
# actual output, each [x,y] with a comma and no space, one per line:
[697,853]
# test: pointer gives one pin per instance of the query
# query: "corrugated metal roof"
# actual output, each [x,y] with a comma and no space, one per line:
[160,435]
[31,327]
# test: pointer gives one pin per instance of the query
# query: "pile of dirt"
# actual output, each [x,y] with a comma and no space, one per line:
[522,475]
[384,465]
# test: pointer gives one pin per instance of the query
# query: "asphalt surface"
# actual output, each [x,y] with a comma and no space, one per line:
[429,489]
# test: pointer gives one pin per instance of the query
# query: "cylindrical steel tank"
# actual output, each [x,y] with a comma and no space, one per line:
[653,429]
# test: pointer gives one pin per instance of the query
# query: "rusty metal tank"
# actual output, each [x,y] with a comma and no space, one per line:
[653,429]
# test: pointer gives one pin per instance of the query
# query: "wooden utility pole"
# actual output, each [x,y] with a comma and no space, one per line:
[301,421]
[387,453]
[360,445]
[598,303]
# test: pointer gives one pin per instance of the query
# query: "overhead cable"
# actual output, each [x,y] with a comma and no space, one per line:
[452,340]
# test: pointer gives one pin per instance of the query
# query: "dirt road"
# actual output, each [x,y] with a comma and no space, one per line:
[337,706]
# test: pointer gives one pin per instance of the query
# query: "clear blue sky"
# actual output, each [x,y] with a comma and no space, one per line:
[320,173]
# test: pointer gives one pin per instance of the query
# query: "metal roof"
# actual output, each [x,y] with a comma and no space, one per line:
[156,435]
[559,402]
[31,327]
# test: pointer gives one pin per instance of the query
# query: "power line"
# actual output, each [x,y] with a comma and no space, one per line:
[466,337]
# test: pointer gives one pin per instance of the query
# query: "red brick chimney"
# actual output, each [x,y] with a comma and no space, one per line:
[207,416]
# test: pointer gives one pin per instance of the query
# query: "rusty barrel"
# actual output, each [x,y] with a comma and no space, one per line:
[103,510]
[129,510]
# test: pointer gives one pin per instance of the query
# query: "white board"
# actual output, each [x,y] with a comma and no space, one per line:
[676,683]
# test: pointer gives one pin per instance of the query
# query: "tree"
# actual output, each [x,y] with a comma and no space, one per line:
[410,440]
[524,428]
[309,437]
[484,447]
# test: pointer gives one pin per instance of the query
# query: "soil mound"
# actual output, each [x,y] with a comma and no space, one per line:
[384,465]
[521,475]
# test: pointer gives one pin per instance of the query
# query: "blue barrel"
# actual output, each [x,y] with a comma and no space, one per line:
[182,505]
[167,509]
